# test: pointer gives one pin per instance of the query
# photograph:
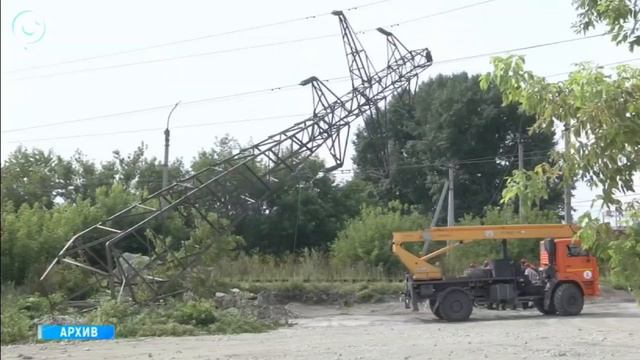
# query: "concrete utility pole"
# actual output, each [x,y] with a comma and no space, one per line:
[450,205]
[568,183]
[165,166]
[520,167]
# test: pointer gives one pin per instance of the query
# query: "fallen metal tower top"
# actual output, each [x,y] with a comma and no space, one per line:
[101,249]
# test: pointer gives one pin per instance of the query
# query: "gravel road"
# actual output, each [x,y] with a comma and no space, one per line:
[605,330]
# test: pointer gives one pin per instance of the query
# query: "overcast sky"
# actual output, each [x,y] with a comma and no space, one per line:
[36,33]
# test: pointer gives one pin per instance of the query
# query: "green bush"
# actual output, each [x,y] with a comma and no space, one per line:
[367,238]
[16,322]
[327,293]
[619,250]
[198,313]
[164,329]
[460,257]
[236,323]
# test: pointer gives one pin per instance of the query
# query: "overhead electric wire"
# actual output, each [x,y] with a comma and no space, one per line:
[119,132]
[242,48]
[198,38]
[605,65]
[615,196]
[441,13]
[252,92]
[158,107]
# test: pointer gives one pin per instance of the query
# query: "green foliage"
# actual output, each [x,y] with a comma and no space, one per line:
[309,266]
[174,318]
[198,313]
[35,176]
[449,119]
[33,235]
[308,212]
[602,113]
[20,313]
[620,250]
[477,252]
[16,324]
[319,292]
[532,186]
[223,243]
[622,17]
[235,323]
[367,237]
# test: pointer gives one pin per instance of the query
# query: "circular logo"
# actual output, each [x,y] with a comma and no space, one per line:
[28,28]
[587,275]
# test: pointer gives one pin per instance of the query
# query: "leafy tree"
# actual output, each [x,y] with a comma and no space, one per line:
[35,176]
[601,112]
[139,173]
[32,236]
[307,212]
[622,17]
[30,176]
[479,251]
[618,249]
[451,119]
[367,237]
[222,148]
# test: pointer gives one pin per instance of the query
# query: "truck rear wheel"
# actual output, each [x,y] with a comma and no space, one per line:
[455,305]
[434,310]
[568,300]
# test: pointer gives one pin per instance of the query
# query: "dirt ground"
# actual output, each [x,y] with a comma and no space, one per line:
[607,329]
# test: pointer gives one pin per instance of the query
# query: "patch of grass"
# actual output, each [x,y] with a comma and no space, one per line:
[309,266]
[326,292]
[16,323]
[20,312]
[197,313]
[175,318]
[236,323]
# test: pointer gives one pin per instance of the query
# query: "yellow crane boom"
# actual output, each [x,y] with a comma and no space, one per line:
[421,269]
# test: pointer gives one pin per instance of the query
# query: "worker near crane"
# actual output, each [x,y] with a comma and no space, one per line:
[532,273]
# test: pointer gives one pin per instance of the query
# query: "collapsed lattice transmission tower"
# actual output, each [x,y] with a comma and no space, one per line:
[103,248]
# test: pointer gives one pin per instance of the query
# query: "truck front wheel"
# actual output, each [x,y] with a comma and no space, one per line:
[568,300]
[455,305]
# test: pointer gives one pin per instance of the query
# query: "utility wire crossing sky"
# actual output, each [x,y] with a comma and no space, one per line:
[95,84]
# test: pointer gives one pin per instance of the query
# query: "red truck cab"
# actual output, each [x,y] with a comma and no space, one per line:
[572,263]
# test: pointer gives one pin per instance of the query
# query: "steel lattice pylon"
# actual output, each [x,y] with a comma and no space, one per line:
[100,248]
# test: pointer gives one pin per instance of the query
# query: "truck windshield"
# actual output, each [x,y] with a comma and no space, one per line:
[576,250]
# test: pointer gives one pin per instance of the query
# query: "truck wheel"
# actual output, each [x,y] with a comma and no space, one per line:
[540,306]
[568,300]
[455,305]
[434,310]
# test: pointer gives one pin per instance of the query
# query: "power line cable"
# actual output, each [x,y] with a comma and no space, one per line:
[159,60]
[247,93]
[243,48]
[440,13]
[605,65]
[615,196]
[198,38]
[158,107]
[222,97]
[181,57]
[120,132]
